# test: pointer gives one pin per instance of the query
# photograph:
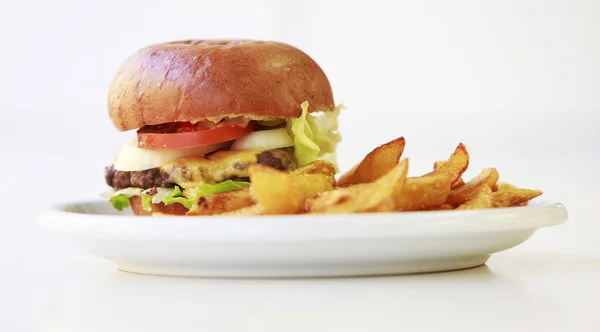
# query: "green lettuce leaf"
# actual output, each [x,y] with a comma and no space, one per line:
[147,202]
[176,197]
[120,198]
[117,197]
[160,194]
[205,189]
[181,200]
[119,202]
[229,185]
[315,136]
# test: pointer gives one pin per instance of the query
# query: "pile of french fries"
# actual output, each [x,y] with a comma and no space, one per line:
[379,183]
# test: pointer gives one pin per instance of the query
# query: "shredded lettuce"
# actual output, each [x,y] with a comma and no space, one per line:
[176,197]
[119,202]
[161,193]
[147,202]
[315,137]
[128,192]
[229,185]
[193,194]
[120,198]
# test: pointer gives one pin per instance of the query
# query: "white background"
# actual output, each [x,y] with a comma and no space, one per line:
[516,81]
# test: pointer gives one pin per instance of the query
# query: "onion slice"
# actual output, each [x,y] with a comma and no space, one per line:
[263,140]
[134,158]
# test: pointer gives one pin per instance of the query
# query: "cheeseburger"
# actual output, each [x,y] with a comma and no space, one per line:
[204,111]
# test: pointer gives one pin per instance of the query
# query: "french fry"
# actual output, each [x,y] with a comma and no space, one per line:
[438,163]
[365,197]
[508,195]
[278,192]
[508,186]
[221,202]
[387,205]
[252,210]
[379,183]
[424,192]
[376,164]
[482,200]
[458,182]
[456,165]
[316,167]
[441,207]
[274,190]
[309,185]
[314,178]
[487,177]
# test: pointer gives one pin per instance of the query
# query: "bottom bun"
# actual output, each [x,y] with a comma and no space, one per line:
[172,209]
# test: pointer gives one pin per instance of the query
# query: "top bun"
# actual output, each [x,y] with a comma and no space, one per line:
[198,79]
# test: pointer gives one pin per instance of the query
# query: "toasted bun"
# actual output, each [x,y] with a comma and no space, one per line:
[197,80]
[173,209]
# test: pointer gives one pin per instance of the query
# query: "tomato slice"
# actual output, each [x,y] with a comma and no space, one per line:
[186,135]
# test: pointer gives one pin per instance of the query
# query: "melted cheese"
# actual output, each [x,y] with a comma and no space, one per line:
[218,167]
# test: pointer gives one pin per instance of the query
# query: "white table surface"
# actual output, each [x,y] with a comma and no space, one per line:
[551,282]
[61,289]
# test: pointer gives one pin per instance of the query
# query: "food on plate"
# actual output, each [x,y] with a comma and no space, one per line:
[313,189]
[204,112]
[375,165]
[424,192]
[431,190]
[375,196]
[279,192]
[221,202]
[481,200]
[246,128]
[508,195]
[458,182]
[488,177]
[455,166]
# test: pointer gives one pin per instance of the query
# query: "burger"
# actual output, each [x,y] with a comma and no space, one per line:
[203,111]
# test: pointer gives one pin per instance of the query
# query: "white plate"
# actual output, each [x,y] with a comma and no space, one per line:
[299,245]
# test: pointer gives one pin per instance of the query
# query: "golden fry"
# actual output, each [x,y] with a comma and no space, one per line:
[455,166]
[314,178]
[509,186]
[274,190]
[316,167]
[221,202]
[376,164]
[387,205]
[365,197]
[379,183]
[441,207]
[488,177]
[309,185]
[438,163]
[508,195]
[278,192]
[482,200]
[424,192]
[252,210]
[457,183]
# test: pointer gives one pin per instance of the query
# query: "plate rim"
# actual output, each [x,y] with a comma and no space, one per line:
[359,225]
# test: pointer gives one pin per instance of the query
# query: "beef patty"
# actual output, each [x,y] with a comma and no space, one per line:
[281,159]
